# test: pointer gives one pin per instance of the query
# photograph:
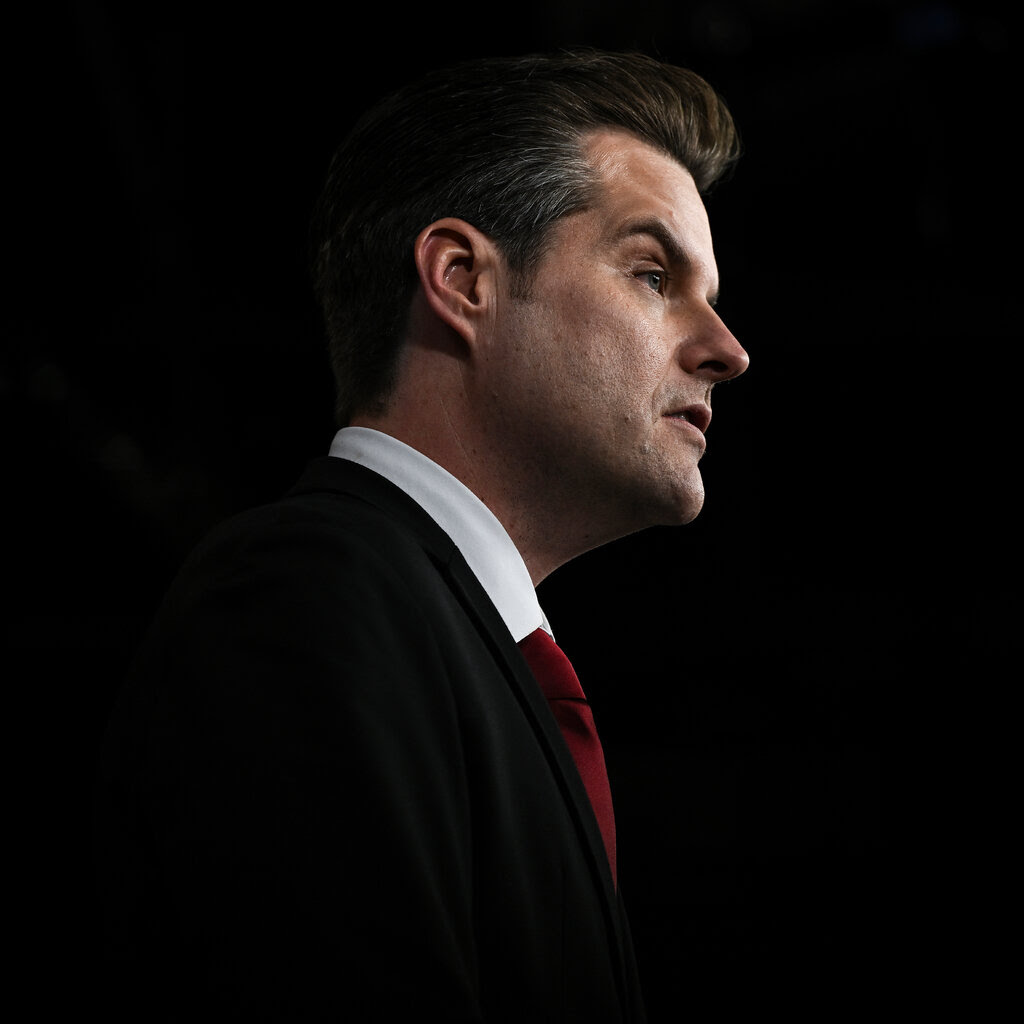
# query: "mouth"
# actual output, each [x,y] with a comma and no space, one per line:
[697,415]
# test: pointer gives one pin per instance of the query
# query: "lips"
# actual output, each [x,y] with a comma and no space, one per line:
[698,414]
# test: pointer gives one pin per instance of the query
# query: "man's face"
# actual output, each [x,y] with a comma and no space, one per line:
[602,376]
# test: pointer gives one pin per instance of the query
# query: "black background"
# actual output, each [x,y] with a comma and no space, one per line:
[812,644]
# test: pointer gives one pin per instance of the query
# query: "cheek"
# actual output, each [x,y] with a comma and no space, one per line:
[628,358]
[595,345]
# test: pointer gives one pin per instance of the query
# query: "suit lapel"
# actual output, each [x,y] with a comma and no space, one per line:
[534,705]
[525,688]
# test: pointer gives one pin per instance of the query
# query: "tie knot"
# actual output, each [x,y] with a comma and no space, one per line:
[554,671]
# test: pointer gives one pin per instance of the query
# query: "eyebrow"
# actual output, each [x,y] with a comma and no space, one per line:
[659,231]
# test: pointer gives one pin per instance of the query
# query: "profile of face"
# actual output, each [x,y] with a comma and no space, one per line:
[602,375]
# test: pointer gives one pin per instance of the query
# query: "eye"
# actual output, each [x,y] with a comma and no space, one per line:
[655,279]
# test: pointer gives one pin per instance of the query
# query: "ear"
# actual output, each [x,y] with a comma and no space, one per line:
[457,267]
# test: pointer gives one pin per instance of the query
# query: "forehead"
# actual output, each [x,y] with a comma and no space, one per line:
[639,182]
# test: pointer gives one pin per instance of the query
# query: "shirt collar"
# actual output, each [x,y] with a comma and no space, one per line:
[475,530]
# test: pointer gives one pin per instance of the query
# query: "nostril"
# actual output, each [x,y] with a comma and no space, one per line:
[715,366]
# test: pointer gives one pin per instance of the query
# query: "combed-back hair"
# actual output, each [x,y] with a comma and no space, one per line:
[498,143]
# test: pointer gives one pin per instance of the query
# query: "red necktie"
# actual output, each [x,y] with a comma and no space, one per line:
[560,685]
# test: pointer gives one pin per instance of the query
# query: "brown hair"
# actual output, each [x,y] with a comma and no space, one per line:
[495,142]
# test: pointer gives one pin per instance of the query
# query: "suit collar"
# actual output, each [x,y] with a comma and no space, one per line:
[341,476]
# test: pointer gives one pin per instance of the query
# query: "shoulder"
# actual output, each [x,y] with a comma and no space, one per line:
[346,569]
[339,525]
[307,599]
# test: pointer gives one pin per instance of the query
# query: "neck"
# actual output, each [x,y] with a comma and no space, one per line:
[545,536]
[441,409]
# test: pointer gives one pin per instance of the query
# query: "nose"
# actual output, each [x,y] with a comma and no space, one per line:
[713,352]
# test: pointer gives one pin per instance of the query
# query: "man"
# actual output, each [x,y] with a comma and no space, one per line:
[335,788]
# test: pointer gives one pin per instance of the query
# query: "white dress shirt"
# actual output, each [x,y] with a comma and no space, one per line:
[476,531]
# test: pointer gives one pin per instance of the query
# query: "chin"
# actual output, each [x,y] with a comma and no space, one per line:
[681,505]
[690,500]
[690,513]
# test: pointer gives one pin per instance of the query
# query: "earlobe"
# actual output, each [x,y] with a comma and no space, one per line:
[456,263]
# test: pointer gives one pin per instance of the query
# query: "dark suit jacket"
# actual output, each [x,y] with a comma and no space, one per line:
[332,789]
